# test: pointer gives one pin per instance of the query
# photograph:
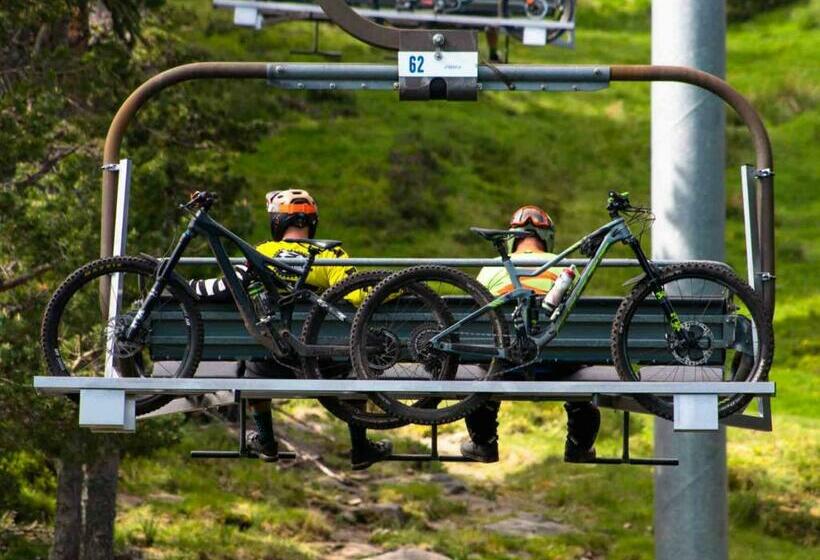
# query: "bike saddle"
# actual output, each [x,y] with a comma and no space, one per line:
[495,234]
[323,244]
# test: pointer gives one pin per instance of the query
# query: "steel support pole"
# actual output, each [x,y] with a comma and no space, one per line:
[688,199]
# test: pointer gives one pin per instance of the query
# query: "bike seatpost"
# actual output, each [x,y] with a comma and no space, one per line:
[501,247]
[300,282]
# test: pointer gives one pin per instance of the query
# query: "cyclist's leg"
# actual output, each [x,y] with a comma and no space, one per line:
[263,440]
[482,426]
[583,421]
[365,452]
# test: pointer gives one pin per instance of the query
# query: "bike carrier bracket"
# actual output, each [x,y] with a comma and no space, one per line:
[626,458]
[243,452]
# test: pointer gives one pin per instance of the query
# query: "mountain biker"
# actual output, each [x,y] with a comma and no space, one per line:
[583,418]
[293,214]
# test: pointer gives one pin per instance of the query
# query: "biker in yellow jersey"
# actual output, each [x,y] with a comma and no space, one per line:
[583,418]
[294,215]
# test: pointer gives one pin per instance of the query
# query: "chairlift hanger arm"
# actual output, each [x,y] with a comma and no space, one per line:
[763,147]
[363,29]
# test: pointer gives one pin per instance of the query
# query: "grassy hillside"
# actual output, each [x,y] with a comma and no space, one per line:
[407,180]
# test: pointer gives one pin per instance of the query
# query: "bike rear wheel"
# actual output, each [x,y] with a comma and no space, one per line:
[78,339]
[323,328]
[723,334]
[392,333]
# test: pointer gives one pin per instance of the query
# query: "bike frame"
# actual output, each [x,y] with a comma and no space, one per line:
[277,339]
[614,232]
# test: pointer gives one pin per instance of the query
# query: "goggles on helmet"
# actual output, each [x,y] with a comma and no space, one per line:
[531,215]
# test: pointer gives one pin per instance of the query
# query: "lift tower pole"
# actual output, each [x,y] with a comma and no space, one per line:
[688,199]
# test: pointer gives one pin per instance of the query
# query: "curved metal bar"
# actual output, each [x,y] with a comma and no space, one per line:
[129,108]
[762,144]
[251,70]
[363,29]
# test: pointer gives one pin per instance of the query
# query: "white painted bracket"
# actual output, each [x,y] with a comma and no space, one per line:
[247,17]
[696,413]
[534,36]
[120,236]
[107,410]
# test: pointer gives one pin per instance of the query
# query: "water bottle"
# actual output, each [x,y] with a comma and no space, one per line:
[559,288]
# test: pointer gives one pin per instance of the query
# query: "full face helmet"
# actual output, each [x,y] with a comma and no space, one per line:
[291,208]
[535,220]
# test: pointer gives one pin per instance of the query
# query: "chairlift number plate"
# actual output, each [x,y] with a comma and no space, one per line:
[425,64]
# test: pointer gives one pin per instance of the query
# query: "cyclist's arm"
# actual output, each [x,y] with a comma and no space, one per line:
[217,288]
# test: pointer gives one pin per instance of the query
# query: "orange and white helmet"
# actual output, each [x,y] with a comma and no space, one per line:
[291,208]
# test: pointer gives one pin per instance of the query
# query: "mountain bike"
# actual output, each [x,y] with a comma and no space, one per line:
[79,340]
[687,322]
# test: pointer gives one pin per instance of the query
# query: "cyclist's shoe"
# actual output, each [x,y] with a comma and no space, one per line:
[268,450]
[574,453]
[362,456]
[481,452]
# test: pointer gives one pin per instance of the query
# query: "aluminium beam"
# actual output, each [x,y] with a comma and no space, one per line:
[310,388]
[108,403]
[447,261]
[380,77]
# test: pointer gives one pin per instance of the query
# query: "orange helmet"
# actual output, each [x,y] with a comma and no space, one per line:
[533,219]
[292,207]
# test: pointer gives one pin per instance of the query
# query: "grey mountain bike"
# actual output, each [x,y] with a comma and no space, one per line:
[698,322]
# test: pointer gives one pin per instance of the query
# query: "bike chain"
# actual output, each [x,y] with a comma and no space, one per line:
[507,337]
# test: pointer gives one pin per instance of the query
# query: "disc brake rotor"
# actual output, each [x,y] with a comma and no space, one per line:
[385,352]
[121,348]
[696,344]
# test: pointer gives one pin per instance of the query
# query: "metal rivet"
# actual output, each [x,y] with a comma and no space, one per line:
[596,72]
[395,85]
[364,85]
[300,85]
[543,87]
[439,40]
[332,85]
[574,88]
[279,69]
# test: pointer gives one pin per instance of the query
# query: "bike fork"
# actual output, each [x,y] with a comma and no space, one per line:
[163,275]
[654,280]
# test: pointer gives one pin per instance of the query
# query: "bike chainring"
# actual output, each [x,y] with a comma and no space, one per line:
[694,344]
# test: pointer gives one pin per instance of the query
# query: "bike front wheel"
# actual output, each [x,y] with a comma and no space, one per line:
[392,339]
[79,339]
[719,333]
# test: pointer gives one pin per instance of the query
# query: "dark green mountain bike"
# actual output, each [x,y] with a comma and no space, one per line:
[78,339]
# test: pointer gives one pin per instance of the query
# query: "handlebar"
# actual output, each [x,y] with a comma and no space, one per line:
[617,203]
[200,199]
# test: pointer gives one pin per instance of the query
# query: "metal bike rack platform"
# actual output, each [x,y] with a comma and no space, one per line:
[254,14]
[108,403]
